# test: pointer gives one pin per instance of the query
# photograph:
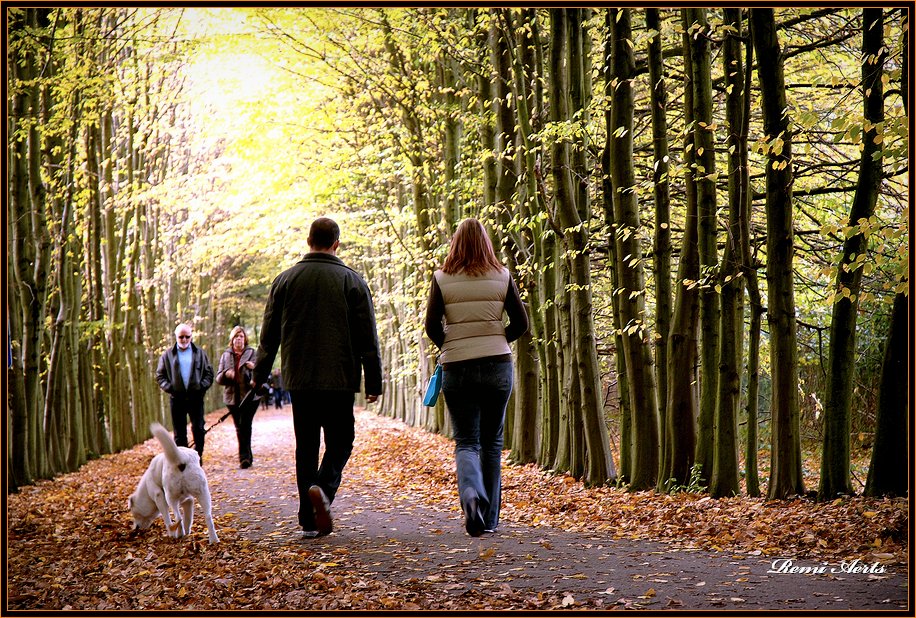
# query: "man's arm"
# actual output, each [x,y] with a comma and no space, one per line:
[206,374]
[366,339]
[270,333]
[162,373]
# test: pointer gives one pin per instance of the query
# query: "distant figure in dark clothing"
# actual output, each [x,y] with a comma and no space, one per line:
[184,372]
[320,313]
[278,389]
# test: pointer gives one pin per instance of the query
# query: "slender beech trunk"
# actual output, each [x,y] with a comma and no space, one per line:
[20,259]
[835,479]
[887,473]
[631,294]
[705,177]
[588,442]
[607,186]
[660,190]
[724,480]
[485,131]
[786,463]
[681,407]
[519,54]
[749,270]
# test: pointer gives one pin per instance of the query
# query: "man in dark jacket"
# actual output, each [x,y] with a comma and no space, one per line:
[319,314]
[184,372]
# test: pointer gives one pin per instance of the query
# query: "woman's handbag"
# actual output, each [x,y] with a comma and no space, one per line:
[433,387]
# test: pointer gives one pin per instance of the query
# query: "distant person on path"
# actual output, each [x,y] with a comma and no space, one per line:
[320,314]
[278,389]
[185,373]
[235,374]
[464,318]
[265,400]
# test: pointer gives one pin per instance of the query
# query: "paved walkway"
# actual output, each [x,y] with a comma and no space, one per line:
[393,538]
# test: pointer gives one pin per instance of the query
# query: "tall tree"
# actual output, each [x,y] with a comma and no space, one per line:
[682,403]
[521,438]
[660,191]
[887,472]
[704,171]
[749,272]
[637,350]
[785,444]
[835,479]
[521,68]
[724,479]
[581,384]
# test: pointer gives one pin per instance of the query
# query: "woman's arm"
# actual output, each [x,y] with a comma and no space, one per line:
[435,311]
[518,315]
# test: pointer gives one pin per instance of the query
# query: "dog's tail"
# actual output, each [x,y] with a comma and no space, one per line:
[172,454]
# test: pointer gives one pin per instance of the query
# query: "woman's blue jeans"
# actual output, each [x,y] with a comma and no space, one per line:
[476,394]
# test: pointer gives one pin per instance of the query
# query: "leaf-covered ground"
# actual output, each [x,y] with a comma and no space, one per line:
[69,548]
[868,529]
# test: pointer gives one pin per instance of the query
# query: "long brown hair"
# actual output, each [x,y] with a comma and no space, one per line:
[471,251]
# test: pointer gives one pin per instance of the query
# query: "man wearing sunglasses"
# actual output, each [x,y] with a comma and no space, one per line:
[184,372]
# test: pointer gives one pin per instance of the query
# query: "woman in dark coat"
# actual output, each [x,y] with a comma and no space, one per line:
[234,373]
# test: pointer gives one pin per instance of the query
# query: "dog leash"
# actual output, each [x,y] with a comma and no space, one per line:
[247,399]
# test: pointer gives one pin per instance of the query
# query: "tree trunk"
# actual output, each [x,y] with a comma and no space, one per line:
[749,270]
[887,473]
[705,177]
[724,480]
[681,407]
[587,434]
[786,464]
[835,478]
[519,67]
[623,389]
[660,188]
[503,207]
[631,293]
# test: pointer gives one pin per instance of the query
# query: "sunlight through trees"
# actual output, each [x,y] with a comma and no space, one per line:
[707,212]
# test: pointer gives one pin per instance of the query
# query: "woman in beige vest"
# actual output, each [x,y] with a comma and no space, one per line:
[464,318]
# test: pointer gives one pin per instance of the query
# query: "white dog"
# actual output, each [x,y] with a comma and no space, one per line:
[171,483]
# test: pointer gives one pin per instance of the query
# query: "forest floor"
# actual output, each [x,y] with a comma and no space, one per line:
[399,541]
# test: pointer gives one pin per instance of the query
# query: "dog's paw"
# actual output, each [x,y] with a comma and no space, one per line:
[175,531]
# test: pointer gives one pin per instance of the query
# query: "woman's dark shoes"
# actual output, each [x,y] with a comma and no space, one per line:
[473,518]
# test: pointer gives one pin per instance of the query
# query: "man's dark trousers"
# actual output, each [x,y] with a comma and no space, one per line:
[313,411]
[184,407]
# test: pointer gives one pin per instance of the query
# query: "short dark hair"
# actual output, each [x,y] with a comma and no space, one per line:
[323,233]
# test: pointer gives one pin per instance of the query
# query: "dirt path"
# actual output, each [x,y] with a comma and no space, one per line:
[394,538]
